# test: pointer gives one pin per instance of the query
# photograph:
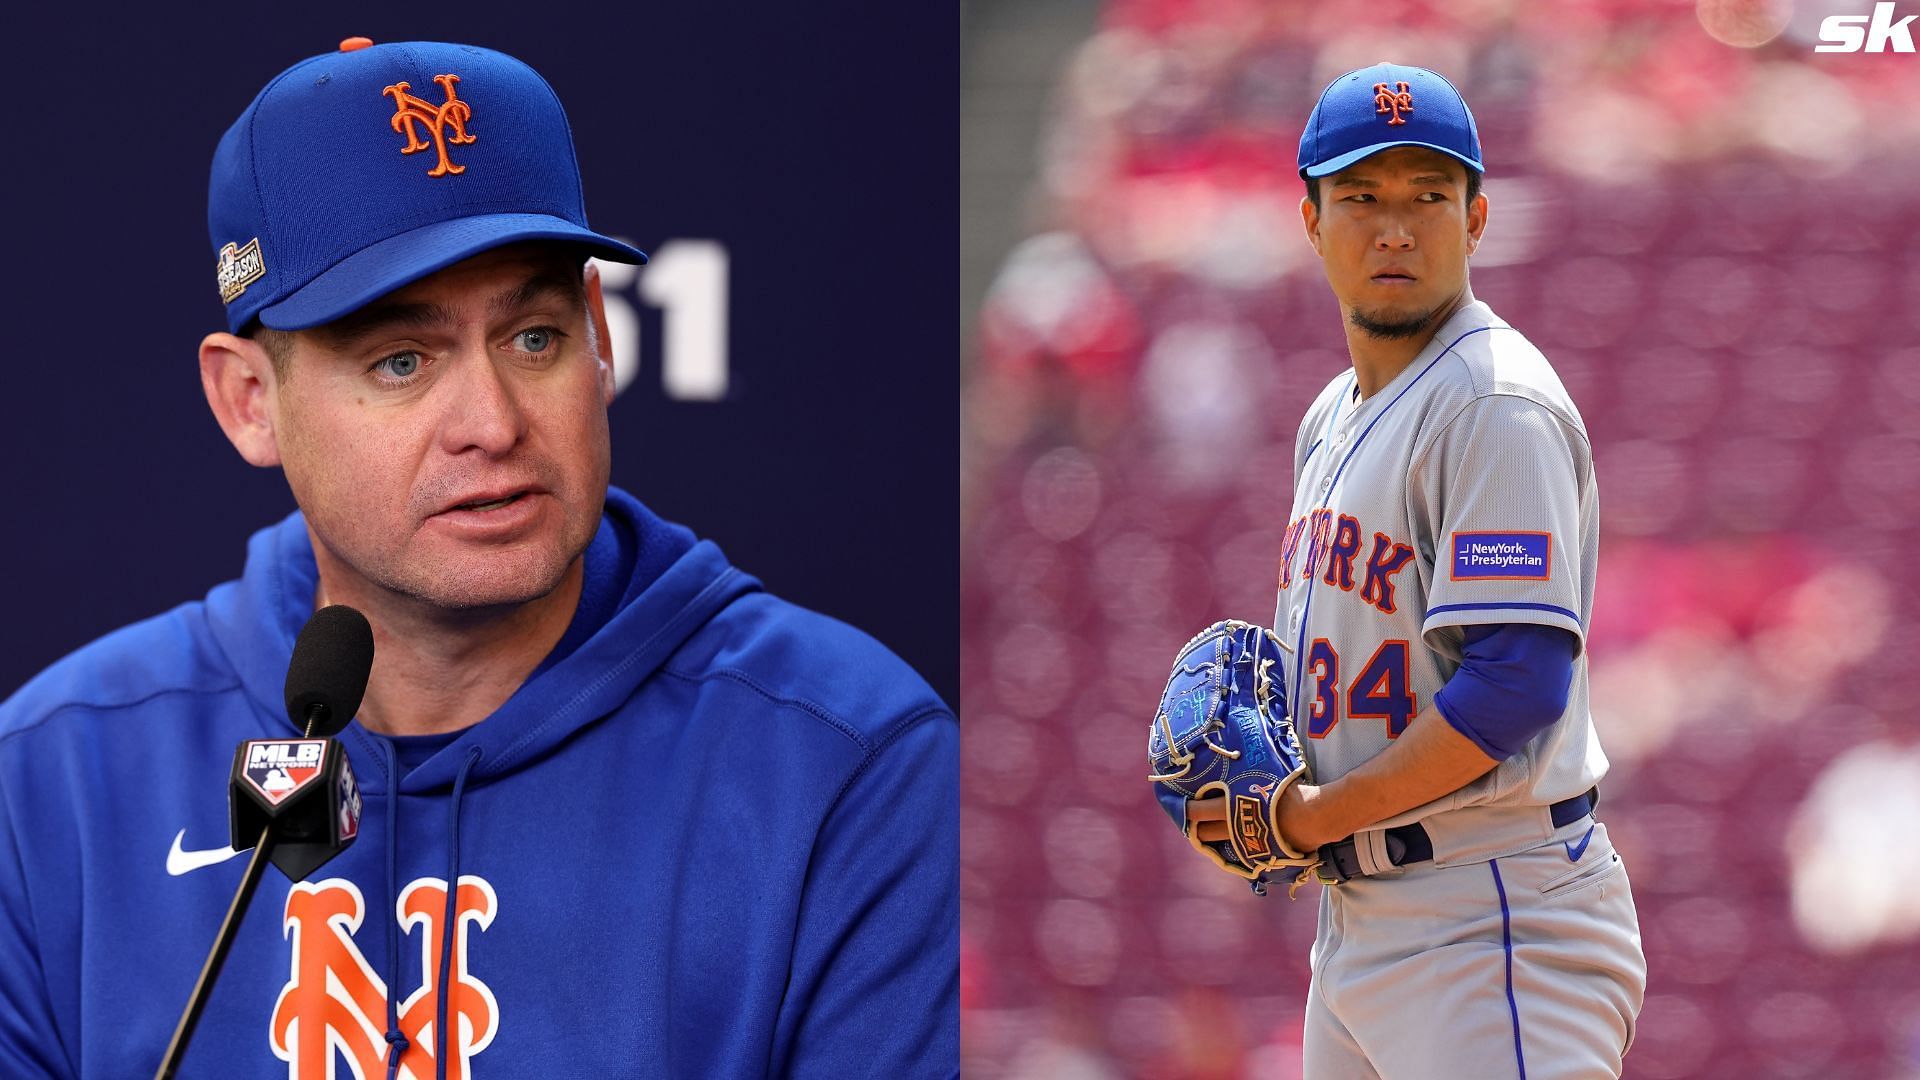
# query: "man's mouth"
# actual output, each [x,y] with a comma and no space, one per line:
[491,504]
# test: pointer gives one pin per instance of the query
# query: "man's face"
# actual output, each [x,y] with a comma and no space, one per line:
[1394,231]
[448,442]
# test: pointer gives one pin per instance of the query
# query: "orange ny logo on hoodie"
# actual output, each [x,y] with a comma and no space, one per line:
[334,999]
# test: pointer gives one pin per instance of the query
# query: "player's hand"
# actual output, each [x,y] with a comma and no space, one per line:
[1209,817]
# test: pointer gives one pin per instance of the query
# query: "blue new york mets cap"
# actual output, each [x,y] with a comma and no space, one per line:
[359,171]
[1364,112]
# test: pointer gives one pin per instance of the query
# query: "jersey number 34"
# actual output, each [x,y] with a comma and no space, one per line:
[1382,690]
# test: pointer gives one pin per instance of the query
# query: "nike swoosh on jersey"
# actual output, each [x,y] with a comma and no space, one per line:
[181,861]
[1574,853]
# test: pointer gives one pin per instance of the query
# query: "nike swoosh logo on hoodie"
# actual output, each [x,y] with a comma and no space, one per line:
[181,861]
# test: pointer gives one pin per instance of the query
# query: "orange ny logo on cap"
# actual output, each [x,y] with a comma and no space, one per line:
[453,113]
[1390,102]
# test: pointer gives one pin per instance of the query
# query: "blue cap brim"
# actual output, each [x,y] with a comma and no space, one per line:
[1334,165]
[376,270]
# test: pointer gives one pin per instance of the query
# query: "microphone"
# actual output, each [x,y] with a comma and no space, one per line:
[328,675]
[294,801]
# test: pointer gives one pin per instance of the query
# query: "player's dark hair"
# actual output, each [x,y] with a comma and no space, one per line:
[1313,188]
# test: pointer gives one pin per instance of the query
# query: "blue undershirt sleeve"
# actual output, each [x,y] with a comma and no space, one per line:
[1512,683]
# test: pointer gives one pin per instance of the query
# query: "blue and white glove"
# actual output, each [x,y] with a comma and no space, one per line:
[1222,728]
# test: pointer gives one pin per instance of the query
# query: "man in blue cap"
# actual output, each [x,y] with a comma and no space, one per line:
[625,814]
[1436,585]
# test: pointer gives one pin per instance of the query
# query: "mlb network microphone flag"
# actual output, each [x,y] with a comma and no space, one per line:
[306,788]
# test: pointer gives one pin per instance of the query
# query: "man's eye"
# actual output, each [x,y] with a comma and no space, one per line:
[536,339]
[399,365]
[1433,196]
[1360,197]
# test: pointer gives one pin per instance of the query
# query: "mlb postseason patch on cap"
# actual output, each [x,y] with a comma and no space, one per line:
[1502,556]
[238,267]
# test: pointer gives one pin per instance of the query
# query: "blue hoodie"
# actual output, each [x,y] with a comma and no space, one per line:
[713,835]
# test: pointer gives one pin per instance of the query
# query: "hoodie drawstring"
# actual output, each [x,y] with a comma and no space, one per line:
[396,1042]
[446,925]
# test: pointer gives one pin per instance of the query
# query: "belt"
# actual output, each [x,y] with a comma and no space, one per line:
[1407,844]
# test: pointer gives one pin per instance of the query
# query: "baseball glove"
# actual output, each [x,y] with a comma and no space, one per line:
[1223,728]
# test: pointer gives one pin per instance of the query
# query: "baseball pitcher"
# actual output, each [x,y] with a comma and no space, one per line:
[1414,733]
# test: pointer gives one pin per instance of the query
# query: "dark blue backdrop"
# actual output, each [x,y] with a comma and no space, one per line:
[816,142]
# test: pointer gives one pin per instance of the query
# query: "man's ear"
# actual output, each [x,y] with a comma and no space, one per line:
[1476,220]
[1310,217]
[237,375]
[602,340]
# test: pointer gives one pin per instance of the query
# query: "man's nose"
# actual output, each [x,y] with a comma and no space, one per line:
[1394,235]
[484,412]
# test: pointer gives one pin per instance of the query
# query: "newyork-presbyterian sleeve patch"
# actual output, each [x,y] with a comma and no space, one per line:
[1502,556]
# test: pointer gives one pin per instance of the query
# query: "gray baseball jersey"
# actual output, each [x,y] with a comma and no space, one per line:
[1461,493]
